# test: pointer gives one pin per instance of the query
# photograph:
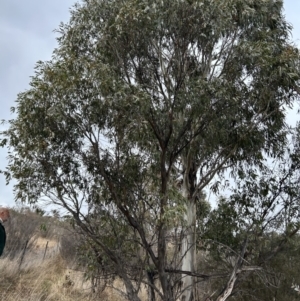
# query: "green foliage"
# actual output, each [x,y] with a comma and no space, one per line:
[282,273]
[224,225]
[263,209]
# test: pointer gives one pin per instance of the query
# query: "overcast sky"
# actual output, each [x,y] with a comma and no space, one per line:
[26,36]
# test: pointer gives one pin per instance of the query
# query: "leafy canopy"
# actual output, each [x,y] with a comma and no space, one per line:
[139,92]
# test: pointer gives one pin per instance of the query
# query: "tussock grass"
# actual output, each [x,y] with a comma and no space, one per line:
[50,281]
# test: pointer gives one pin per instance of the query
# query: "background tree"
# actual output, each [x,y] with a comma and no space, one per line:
[262,214]
[143,104]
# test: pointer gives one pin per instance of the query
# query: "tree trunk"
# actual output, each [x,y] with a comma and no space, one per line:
[130,291]
[188,245]
[151,291]
[225,294]
[229,287]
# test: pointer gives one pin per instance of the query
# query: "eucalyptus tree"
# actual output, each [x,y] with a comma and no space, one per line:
[143,104]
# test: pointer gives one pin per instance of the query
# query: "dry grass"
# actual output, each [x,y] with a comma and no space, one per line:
[41,242]
[50,281]
[44,273]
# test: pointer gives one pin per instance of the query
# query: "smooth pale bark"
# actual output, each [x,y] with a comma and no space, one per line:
[229,287]
[225,294]
[188,245]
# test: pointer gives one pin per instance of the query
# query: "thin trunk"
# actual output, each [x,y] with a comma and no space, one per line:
[162,274]
[229,287]
[188,246]
[225,294]
[162,233]
[131,293]
[151,291]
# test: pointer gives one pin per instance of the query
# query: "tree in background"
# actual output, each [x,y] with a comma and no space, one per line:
[142,106]
[262,214]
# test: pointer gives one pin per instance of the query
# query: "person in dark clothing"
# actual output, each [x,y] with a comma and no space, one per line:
[4,216]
